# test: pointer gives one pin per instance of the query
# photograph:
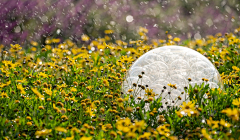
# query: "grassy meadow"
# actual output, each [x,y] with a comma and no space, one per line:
[63,90]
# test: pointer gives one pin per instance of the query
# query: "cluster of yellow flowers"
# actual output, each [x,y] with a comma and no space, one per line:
[69,91]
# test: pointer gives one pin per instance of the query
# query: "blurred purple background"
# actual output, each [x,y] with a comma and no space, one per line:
[27,20]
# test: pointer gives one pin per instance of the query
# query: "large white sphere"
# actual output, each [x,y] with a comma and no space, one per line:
[170,64]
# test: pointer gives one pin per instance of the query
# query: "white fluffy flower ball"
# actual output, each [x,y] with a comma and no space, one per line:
[170,64]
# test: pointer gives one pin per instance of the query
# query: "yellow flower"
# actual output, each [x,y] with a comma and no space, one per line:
[85,37]
[235,68]
[37,93]
[163,130]
[104,128]
[48,41]
[129,109]
[172,85]
[205,134]
[99,46]
[145,136]
[34,43]
[131,135]
[130,90]
[188,108]
[16,47]
[89,87]
[48,91]
[120,100]
[64,117]
[72,89]
[90,111]
[74,129]
[8,64]
[151,113]
[232,113]
[162,41]
[28,118]
[179,113]
[123,125]
[236,102]
[24,80]
[189,105]
[61,129]
[33,49]
[8,83]
[17,101]
[139,125]
[86,138]
[212,123]
[73,99]
[213,50]
[105,82]
[123,70]
[56,40]
[108,31]
[113,134]
[142,30]
[126,59]
[43,75]
[4,95]
[68,138]
[173,138]
[48,47]
[43,132]
[29,123]
[109,126]
[176,39]
[149,92]
[107,46]
[40,107]
[119,133]
[224,123]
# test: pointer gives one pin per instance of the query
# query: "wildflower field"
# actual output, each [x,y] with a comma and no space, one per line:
[63,90]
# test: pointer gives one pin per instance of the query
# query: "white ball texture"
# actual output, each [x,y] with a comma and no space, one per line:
[170,64]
